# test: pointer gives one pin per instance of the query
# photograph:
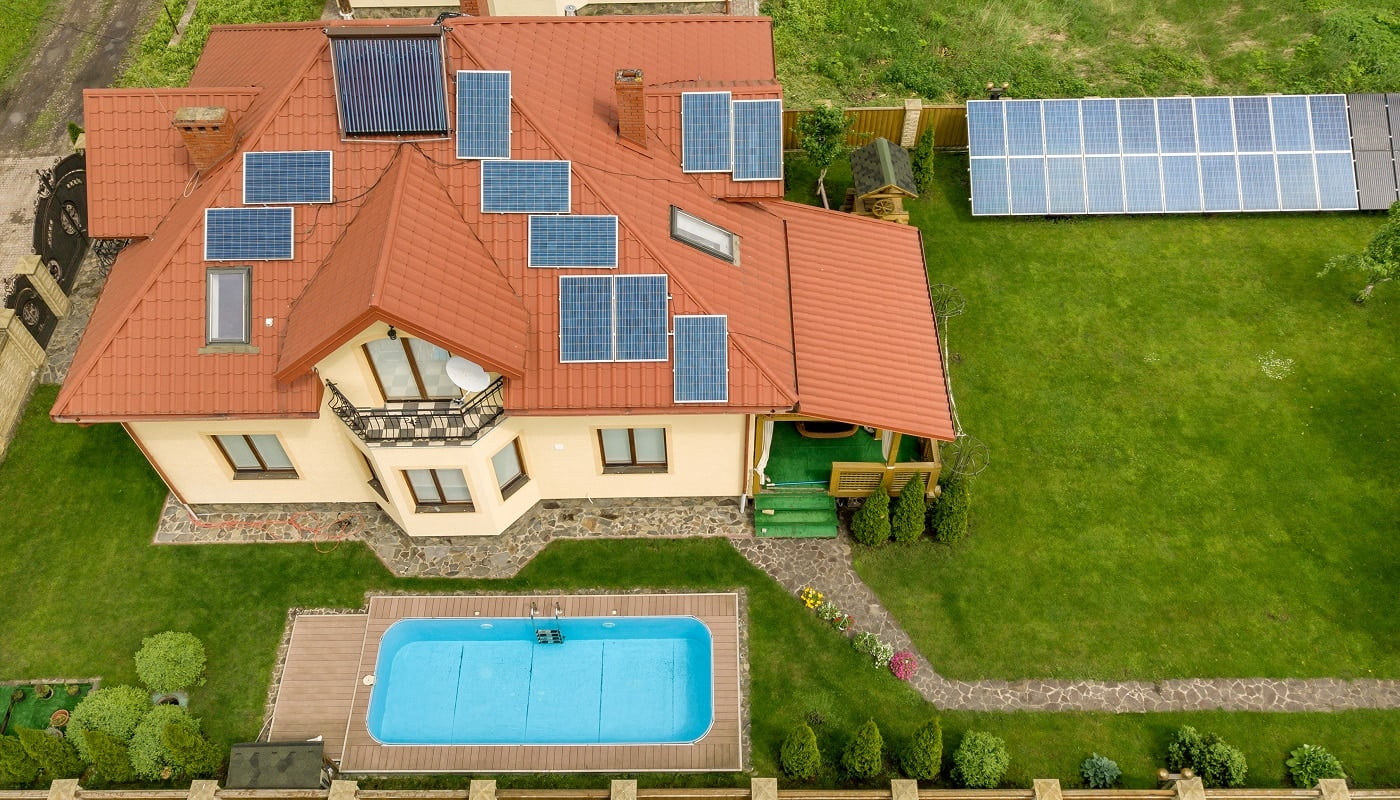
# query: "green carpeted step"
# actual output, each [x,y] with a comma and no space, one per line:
[802,516]
[810,531]
[795,500]
[795,515]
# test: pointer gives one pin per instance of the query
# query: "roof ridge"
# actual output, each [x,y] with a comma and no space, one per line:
[391,223]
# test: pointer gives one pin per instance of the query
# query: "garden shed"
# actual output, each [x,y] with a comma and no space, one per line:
[883,178]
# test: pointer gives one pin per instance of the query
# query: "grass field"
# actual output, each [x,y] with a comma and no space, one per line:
[25,25]
[89,586]
[1157,504]
[860,50]
[155,64]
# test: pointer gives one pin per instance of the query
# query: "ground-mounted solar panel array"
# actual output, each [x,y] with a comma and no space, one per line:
[483,114]
[389,85]
[742,137]
[613,318]
[287,177]
[248,234]
[702,359]
[525,187]
[1171,155]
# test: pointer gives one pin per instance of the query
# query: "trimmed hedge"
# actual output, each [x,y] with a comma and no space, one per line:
[170,661]
[114,710]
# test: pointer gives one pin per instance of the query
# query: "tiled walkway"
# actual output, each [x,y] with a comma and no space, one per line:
[794,563]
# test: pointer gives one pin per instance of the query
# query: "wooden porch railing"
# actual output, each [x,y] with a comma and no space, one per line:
[862,478]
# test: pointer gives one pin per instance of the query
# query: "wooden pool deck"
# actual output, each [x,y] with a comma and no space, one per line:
[322,692]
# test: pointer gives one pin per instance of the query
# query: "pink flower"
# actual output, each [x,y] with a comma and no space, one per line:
[903,665]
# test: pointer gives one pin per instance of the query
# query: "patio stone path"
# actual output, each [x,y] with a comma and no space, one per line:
[822,563]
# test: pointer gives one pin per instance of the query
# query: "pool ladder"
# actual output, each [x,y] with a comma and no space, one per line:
[547,635]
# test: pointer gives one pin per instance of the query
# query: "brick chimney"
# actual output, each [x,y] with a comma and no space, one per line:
[208,133]
[631,106]
[476,8]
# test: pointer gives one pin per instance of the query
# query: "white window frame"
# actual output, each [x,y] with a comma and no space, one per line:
[211,305]
[695,240]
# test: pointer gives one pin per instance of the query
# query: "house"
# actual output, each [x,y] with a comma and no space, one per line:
[456,269]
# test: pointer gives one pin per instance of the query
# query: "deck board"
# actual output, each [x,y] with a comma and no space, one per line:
[319,679]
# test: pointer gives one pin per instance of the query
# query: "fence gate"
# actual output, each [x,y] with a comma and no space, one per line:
[60,219]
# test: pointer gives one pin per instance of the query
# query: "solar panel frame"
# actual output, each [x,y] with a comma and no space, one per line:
[640,323]
[297,169]
[226,234]
[758,154]
[390,85]
[498,199]
[989,174]
[596,323]
[984,137]
[587,251]
[1025,128]
[701,359]
[586,319]
[707,132]
[483,114]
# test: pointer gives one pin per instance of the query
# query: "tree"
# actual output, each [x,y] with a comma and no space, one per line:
[822,135]
[909,513]
[948,516]
[110,761]
[864,757]
[1379,262]
[800,757]
[55,756]
[870,524]
[923,757]
[170,661]
[114,710]
[16,767]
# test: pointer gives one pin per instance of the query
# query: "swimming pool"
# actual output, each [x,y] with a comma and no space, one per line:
[613,680]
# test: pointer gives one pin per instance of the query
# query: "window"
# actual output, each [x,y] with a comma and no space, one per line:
[437,490]
[256,456]
[633,449]
[227,306]
[702,235]
[510,475]
[411,369]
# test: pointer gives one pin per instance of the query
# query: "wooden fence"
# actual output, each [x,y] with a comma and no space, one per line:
[949,124]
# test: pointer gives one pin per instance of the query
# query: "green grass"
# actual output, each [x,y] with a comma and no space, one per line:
[25,24]
[1156,505]
[861,50]
[90,586]
[155,64]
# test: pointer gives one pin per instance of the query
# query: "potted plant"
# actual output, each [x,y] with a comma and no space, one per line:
[59,718]
[43,691]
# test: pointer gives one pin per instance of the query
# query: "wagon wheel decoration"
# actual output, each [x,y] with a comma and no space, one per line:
[966,456]
[947,301]
[884,207]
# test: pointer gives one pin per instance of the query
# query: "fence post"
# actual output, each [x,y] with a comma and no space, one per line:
[63,790]
[481,790]
[623,790]
[1047,789]
[1190,789]
[1334,789]
[913,112]
[203,790]
[905,789]
[763,789]
[343,790]
[32,267]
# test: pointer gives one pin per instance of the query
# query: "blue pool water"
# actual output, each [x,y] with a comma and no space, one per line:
[614,680]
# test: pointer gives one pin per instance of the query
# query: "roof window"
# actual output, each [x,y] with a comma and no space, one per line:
[702,235]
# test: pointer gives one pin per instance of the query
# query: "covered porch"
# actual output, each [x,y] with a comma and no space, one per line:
[793,452]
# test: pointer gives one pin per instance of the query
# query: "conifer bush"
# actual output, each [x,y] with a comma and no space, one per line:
[55,756]
[864,757]
[151,757]
[191,754]
[17,769]
[948,517]
[871,523]
[909,512]
[170,661]
[800,758]
[114,710]
[923,756]
[111,763]
[981,761]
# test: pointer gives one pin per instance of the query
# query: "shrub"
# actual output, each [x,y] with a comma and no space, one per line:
[871,523]
[151,758]
[1222,766]
[909,512]
[921,159]
[980,761]
[110,761]
[114,710]
[1099,772]
[170,661]
[1310,764]
[191,754]
[54,755]
[948,517]
[1185,749]
[828,612]
[864,757]
[16,767]
[800,757]
[923,756]
[880,652]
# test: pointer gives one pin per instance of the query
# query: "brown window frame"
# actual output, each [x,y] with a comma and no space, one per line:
[423,396]
[513,485]
[441,506]
[634,466]
[263,472]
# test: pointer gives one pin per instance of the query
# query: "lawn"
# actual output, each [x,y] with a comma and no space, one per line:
[1158,505]
[25,25]
[859,51]
[81,504]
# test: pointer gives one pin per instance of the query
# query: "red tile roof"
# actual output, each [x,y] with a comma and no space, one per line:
[405,241]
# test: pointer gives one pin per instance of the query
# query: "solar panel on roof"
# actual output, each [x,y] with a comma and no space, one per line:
[525,187]
[483,114]
[389,84]
[612,318]
[702,359]
[287,177]
[706,132]
[758,140]
[573,241]
[1160,155]
[247,234]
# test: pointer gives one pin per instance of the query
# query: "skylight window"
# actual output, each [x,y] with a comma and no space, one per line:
[702,235]
[227,305]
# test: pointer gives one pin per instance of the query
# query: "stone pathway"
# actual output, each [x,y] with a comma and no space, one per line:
[69,330]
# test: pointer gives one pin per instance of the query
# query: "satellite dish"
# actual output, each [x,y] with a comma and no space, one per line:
[468,375]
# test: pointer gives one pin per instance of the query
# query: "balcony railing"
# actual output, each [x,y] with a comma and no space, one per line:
[442,422]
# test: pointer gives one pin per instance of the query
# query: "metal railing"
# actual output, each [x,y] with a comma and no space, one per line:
[435,422]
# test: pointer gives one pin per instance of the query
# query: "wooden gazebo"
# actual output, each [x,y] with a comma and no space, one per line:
[883,177]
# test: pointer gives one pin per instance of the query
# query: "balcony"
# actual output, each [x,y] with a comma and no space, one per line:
[453,422]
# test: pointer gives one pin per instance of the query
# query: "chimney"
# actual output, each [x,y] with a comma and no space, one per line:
[476,8]
[208,133]
[631,106]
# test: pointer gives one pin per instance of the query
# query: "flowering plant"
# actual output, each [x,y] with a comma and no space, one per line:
[843,622]
[880,652]
[828,612]
[903,665]
[811,597]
